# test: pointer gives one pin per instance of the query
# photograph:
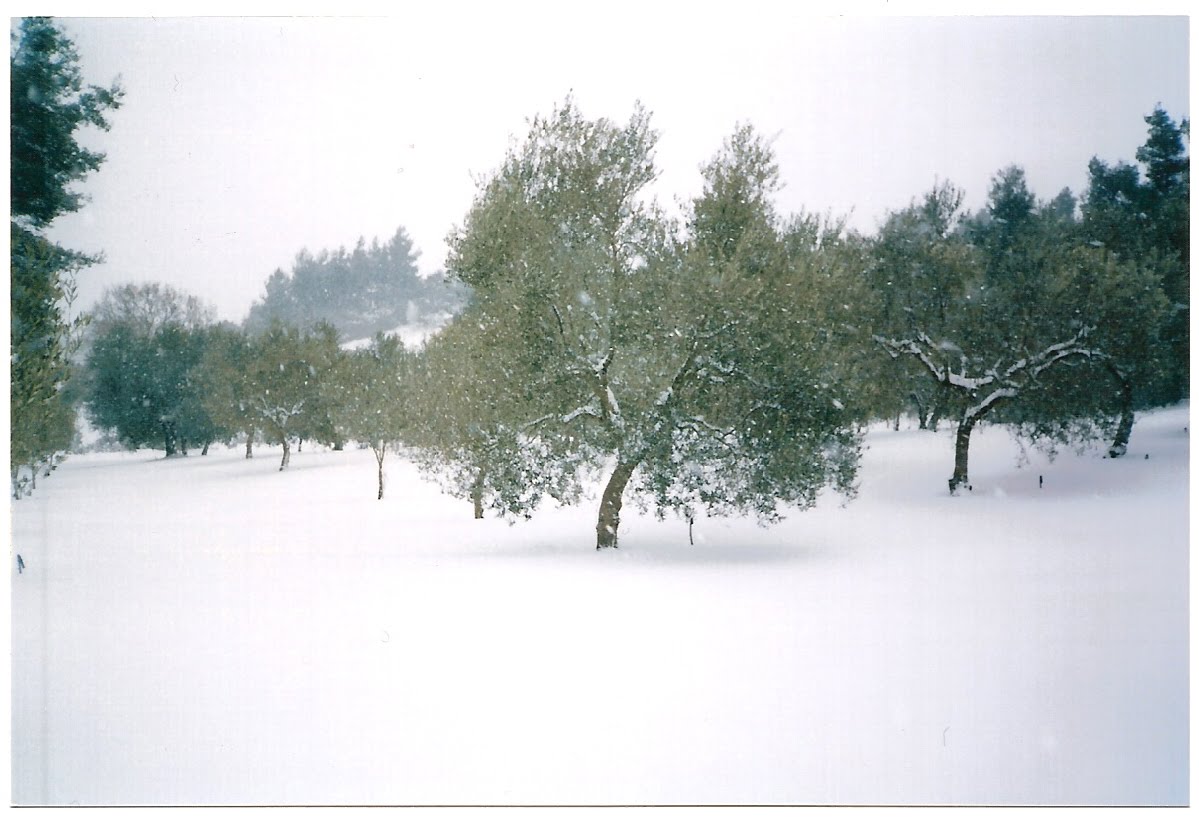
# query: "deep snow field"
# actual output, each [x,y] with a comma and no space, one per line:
[208,630]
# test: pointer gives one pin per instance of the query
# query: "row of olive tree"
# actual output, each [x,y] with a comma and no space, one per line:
[160,372]
[730,362]
[727,361]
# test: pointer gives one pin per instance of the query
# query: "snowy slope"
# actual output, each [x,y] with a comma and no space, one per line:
[208,630]
[412,334]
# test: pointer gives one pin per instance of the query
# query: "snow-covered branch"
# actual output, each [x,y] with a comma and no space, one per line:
[922,348]
[582,411]
[276,414]
[988,402]
[895,348]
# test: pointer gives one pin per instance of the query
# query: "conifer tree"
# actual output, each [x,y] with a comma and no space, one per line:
[1146,222]
[48,104]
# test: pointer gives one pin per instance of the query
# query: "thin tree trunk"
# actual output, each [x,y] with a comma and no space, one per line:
[937,405]
[249,446]
[286,453]
[380,453]
[613,499]
[476,494]
[1124,430]
[961,456]
[921,412]
[204,450]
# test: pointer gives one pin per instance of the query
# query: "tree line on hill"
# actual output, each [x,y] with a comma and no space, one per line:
[727,360]
[370,289]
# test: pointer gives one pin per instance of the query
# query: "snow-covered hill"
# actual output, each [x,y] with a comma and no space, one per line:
[412,334]
[209,630]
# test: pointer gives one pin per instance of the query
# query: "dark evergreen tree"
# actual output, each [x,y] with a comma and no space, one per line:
[48,104]
[1146,222]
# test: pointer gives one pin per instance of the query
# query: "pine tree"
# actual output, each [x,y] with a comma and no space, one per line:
[1146,223]
[48,104]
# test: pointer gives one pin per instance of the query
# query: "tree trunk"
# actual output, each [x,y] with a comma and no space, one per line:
[249,446]
[286,454]
[934,417]
[380,453]
[1124,430]
[204,450]
[961,456]
[610,505]
[168,439]
[921,411]
[476,494]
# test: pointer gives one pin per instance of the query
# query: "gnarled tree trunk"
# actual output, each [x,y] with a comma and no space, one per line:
[610,505]
[286,453]
[1119,445]
[961,456]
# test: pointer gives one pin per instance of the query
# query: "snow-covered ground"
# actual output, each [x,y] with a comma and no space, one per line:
[209,630]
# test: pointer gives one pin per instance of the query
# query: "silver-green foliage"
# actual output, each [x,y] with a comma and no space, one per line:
[703,366]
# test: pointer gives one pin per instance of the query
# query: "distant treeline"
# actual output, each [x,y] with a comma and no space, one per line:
[369,289]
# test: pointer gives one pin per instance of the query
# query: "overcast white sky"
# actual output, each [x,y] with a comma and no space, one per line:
[243,140]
